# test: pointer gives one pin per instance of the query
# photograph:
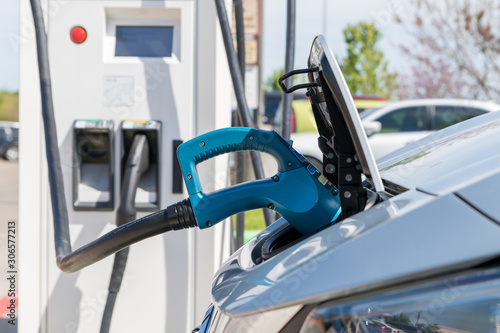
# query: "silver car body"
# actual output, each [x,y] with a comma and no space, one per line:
[444,217]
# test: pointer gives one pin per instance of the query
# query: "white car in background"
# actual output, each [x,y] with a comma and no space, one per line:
[397,124]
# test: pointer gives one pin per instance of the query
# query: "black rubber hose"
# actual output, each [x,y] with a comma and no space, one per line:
[175,217]
[115,282]
[240,36]
[59,209]
[232,58]
[286,123]
[239,91]
[136,164]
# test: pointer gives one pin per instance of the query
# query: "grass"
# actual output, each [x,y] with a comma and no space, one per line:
[9,106]
[254,220]
[254,223]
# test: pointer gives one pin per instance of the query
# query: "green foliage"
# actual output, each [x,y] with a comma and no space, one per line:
[9,106]
[254,220]
[405,319]
[364,68]
[430,328]
[401,318]
[254,223]
[272,81]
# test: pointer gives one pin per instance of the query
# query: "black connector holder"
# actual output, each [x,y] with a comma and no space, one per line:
[93,167]
[148,191]
[177,180]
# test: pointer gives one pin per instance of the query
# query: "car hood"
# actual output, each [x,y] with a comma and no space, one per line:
[447,160]
[411,236]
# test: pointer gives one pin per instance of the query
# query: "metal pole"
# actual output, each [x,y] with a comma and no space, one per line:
[239,91]
[289,59]
[240,156]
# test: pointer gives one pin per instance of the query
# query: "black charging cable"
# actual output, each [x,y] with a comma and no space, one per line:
[175,217]
[239,92]
[137,163]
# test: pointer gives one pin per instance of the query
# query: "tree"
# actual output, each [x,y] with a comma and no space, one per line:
[455,46]
[272,81]
[364,68]
[434,80]
[430,328]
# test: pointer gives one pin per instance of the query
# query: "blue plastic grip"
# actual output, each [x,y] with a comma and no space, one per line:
[298,191]
[228,140]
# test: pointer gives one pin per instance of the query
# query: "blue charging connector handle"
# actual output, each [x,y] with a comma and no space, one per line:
[298,191]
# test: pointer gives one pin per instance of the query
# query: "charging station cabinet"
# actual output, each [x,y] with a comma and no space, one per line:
[147,197]
[93,172]
[159,61]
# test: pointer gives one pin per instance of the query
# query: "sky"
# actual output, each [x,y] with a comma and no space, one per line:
[310,22]
[9,51]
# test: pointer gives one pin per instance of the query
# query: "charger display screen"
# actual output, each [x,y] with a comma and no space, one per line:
[144,41]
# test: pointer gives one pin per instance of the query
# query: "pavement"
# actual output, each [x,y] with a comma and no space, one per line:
[9,204]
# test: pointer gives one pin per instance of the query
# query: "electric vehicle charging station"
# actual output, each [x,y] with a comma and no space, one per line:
[409,215]
[116,82]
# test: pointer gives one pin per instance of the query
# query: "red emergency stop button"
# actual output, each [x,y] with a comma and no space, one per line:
[78,35]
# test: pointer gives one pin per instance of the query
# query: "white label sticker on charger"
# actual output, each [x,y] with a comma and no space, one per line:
[118,91]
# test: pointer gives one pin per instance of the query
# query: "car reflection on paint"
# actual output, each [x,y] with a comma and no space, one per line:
[391,324]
